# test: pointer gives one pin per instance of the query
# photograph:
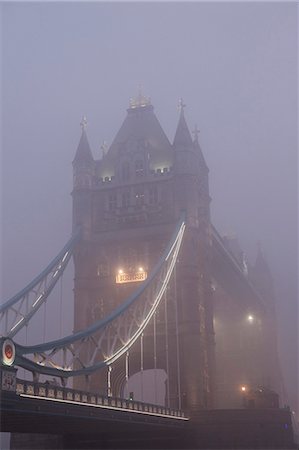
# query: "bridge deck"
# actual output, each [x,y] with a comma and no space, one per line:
[102,426]
[68,409]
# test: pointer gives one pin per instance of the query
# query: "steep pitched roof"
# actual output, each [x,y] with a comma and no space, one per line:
[202,161]
[83,152]
[141,124]
[182,136]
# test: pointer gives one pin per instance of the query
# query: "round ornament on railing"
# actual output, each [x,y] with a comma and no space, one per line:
[8,352]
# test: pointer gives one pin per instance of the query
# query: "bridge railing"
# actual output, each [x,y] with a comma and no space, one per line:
[53,392]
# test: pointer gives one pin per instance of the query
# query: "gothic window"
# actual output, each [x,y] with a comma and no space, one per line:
[112,201]
[130,259]
[153,195]
[103,268]
[139,168]
[125,171]
[139,196]
[97,310]
[125,199]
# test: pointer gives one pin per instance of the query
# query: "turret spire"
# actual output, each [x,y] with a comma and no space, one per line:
[83,123]
[104,148]
[182,136]
[140,101]
[198,149]
[181,105]
[83,152]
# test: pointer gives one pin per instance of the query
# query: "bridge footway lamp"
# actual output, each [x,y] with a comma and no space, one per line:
[8,372]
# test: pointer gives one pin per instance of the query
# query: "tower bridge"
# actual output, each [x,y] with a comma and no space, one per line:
[156,290]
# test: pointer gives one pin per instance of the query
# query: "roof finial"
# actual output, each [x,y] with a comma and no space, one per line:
[104,148]
[196,132]
[181,105]
[141,100]
[83,123]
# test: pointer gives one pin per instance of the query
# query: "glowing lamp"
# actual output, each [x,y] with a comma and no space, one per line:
[8,352]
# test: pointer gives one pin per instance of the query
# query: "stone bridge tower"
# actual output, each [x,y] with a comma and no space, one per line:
[128,204]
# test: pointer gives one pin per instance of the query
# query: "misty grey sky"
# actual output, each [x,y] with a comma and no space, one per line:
[234,64]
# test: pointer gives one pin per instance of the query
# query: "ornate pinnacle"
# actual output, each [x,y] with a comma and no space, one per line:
[196,132]
[104,148]
[181,105]
[83,123]
[139,101]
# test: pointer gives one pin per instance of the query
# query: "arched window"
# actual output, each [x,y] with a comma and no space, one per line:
[139,196]
[139,168]
[103,268]
[125,171]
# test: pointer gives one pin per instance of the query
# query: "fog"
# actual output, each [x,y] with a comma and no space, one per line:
[235,66]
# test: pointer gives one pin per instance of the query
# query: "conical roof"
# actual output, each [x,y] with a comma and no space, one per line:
[83,153]
[141,127]
[182,136]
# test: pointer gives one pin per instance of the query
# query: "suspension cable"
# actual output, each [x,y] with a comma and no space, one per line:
[60,321]
[177,340]
[109,392]
[174,245]
[141,365]
[45,322]
[155,357]
[18,310]
[119,347]
[127,368]
[166,349]
[26,343]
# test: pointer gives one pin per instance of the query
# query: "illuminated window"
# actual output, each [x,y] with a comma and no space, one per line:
[139,168]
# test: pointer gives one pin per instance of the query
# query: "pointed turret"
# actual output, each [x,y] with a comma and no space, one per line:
[83,163]
[182,136]
[202,162]
[186,161]
[83,153]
